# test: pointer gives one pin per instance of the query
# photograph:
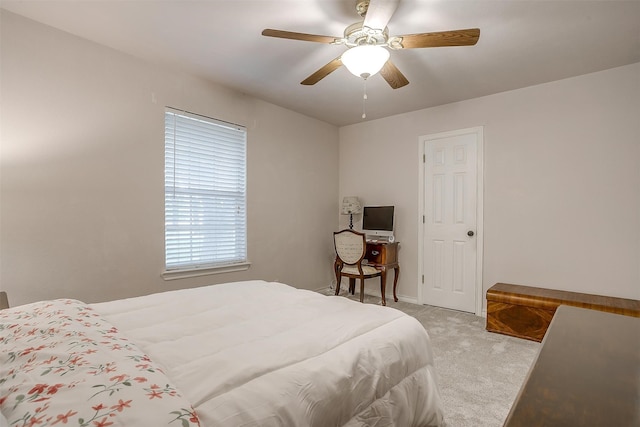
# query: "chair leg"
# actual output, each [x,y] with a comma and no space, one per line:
[362,289]
[382,289]
[338,279]
[352,285]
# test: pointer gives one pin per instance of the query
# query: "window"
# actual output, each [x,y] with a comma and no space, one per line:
[205,194]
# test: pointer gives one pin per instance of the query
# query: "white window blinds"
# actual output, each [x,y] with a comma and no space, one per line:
[205,192]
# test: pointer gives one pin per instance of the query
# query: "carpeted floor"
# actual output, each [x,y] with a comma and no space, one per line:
[479,372]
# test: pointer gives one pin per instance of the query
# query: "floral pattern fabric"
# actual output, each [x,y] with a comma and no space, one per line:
[61,364]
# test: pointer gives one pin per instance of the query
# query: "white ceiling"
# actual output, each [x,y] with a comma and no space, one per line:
[522,43]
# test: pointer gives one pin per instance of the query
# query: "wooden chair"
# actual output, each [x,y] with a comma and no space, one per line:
[350,251]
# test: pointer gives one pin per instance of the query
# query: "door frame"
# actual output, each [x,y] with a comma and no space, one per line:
[478,131]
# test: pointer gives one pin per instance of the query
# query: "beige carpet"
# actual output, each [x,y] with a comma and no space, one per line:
[479,372]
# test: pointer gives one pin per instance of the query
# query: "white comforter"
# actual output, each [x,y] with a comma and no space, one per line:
[266,354]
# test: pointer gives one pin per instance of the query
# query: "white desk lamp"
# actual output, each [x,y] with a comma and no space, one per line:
[351,205]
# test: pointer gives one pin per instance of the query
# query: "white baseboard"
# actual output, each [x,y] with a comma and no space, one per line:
[403,298]
[372,293]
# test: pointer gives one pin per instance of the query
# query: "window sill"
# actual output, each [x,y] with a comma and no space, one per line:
[197,272]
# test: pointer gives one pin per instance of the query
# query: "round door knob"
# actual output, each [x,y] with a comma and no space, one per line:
[470,233]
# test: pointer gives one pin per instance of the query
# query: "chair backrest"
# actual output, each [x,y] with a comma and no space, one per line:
[350,246]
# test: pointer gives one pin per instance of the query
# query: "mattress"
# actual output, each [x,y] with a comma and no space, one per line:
[259,353]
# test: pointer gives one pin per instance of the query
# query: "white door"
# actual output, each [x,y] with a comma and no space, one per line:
[450,220]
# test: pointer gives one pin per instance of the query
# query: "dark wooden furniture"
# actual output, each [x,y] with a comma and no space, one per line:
[351,249]
[384,256]
[585,374]
[525,311]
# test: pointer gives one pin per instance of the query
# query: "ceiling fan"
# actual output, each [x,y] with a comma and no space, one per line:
[371,35]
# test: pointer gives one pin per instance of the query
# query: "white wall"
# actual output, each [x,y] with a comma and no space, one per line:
[562,181]
[81,173]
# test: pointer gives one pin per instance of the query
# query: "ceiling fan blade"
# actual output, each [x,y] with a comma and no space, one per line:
[379,13]
[467,37]
[393,76]
[322,72]
[299,36]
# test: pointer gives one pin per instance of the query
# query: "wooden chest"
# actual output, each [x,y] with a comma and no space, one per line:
[526,312]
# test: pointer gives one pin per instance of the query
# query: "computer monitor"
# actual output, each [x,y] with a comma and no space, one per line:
[377,221]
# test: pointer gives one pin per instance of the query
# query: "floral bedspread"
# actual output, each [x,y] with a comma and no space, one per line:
[62,363]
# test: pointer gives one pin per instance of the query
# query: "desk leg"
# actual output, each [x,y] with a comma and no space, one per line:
[395,282]
[383,284]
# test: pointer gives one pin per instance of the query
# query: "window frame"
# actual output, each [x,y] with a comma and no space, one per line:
[199,201]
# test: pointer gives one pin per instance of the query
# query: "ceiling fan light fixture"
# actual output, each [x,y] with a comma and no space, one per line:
[365,60]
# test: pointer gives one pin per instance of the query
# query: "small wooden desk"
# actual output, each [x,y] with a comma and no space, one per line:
[384,256]
[585,374]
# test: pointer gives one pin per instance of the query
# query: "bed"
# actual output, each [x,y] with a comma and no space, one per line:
[251,353]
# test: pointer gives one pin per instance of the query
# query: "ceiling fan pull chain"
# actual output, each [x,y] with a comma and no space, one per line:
[364,100]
